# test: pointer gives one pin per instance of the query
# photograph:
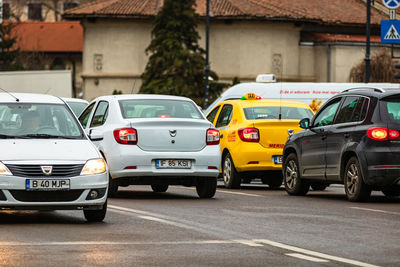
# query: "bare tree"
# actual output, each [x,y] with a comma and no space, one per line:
[382,68]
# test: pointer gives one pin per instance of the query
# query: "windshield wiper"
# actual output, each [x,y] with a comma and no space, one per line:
[49,136]
[4,136]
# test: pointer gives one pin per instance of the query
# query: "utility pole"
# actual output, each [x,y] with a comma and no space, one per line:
[368,44]
[207,67]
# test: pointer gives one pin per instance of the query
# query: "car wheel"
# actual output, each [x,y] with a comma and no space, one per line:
[96,215]
[159,188]
[112,187]
[294,185]
[206,187]
[229,173]
[391,192]
[273,180]
[318,187]
[356,189]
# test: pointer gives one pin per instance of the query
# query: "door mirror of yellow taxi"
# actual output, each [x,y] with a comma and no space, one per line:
[95,135]
[305,123]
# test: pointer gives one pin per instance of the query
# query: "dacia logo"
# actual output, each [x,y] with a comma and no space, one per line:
[172,133]
[47,170]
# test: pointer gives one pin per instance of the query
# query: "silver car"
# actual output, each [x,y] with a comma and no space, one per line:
[46,159]
[154,140]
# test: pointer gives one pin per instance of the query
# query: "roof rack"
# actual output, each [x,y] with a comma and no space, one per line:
[379,90]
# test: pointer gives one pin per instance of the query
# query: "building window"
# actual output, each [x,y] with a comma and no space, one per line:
[35,11]
[6,11]
[69,5]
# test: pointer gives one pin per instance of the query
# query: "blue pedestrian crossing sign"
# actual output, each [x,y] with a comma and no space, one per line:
[392,4]
[390,31]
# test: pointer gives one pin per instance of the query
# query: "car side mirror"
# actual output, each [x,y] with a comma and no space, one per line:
[305,123]
[95,135]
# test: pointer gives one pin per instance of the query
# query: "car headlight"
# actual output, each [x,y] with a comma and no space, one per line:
[4,170]
[94,166]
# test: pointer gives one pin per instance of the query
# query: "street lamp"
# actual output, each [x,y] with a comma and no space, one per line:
[368,44]
[207,67]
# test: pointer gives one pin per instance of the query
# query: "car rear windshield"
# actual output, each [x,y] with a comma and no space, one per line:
[158,108]
[19,120]
[266,112]
[392,108]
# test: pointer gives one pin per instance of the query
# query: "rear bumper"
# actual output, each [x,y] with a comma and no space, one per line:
[204,163]
[254,157]
[383,177]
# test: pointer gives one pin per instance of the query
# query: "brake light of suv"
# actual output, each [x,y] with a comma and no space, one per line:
[126,136]
[212,137]
[249,135]
[382,134]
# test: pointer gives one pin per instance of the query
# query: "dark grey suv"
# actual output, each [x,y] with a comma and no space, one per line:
[354,140]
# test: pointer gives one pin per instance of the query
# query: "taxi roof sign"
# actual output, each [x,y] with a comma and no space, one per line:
[250,96]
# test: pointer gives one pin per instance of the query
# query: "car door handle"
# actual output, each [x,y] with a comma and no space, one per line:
[346,135]
[221,136]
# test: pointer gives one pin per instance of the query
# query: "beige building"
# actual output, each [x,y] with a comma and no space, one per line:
[306,40]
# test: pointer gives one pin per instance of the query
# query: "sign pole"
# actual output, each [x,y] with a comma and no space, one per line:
[368,43]
[207,69]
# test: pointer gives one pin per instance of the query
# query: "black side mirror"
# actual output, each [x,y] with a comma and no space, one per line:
[305,123]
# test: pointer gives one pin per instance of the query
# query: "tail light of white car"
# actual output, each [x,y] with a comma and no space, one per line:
[212,137]
[126,136]
[249,135]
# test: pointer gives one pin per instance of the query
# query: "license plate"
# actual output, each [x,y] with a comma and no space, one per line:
[278,159]
[47,184]
[173,164]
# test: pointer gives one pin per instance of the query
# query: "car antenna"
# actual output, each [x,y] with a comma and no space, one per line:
[16,99]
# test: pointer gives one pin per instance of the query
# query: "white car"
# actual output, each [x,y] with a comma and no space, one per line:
[154,140]
[47,160]
[77,105]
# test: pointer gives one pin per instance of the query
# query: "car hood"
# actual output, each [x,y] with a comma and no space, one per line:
[47,149]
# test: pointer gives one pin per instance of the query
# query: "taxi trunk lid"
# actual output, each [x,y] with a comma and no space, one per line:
[274,133]
[167,134]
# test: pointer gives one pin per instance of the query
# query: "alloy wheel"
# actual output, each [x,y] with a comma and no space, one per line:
[352,179]
[291,174]
[227,170]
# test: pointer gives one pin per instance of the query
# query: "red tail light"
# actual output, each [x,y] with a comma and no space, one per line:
[382,134]
[212,137]
[249,135]
[126,136]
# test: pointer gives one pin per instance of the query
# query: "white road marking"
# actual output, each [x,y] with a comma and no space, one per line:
[238,193]
[381,211]
[224,191]
[111,243]
[314,253]
[252,242]
[304,257]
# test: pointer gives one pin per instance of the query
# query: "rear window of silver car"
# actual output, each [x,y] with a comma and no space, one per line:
[272,112]
[28,120]
[158,108]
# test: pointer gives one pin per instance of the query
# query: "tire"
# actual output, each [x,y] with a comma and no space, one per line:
[272,179]
[231,176]
[96,215]
[318,187]
[354,186]
[294,185]
[159,188]
[206,187]
[391,192]
[112,187]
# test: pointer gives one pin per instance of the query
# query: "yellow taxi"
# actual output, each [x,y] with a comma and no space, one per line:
[253,132]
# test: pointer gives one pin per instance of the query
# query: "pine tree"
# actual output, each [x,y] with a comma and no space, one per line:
[8,51]
[176,63]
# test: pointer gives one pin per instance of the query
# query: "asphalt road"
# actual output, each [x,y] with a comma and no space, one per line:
[253,226]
